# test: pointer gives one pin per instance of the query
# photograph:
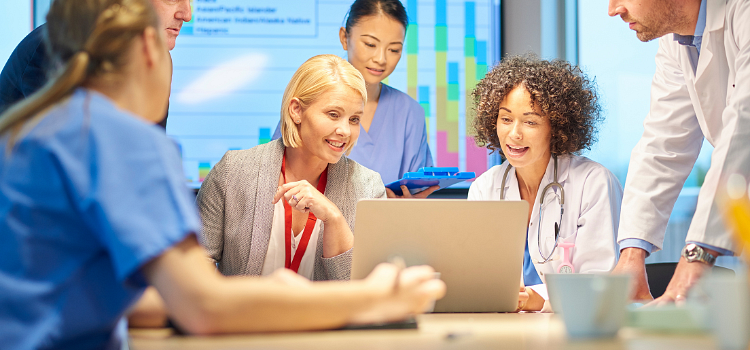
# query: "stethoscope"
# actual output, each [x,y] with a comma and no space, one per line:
[566,266]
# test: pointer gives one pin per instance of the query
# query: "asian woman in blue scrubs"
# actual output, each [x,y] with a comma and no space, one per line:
[93,207]
[393,135]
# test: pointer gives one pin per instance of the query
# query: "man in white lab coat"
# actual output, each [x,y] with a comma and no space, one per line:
[701,89]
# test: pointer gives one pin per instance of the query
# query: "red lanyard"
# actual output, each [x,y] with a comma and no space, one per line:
[289,263]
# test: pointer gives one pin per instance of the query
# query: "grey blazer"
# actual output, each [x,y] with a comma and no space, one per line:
[236,206]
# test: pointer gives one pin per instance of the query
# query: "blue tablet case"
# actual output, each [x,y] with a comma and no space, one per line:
[430,176]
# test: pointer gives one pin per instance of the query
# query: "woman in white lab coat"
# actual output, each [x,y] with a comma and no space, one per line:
[539,115]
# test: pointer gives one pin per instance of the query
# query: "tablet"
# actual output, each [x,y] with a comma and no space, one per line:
[418,181]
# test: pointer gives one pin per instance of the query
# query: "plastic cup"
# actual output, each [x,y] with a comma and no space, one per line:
[592,306]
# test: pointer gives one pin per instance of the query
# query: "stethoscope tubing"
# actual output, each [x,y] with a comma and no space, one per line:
[552,184]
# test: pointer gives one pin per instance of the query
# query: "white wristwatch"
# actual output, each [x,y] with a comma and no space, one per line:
[694,252]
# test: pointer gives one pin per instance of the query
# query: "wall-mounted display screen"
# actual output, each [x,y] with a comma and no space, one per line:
[234,58]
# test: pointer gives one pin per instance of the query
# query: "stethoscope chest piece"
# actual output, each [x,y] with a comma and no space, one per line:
[552,185]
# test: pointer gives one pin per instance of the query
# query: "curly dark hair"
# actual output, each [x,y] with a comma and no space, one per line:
[564,94]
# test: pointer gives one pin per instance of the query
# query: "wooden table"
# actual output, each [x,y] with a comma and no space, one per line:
[436,331]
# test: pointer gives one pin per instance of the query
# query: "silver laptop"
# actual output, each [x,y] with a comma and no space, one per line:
[477,246]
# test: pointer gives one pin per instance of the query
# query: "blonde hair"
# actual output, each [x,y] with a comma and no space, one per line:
[86,39]
[314,77]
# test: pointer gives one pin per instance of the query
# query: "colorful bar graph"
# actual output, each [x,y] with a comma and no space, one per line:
[475,61]
[476,157]
[481,59]
[447,50]
[453,99]
[424,101]
[448,149]
[445,158]
[447,113]
[470,76]
[412,49]
[441,68]
[187,27]
[264,136]
[203,169]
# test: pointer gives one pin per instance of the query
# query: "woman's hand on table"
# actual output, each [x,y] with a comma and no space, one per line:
[406,194]
[399,293]
[523,298]
[529,299]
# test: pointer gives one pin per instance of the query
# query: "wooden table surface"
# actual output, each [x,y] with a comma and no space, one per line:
[436,331]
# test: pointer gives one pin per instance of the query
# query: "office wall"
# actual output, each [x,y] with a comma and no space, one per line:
[544,27]
[521,29]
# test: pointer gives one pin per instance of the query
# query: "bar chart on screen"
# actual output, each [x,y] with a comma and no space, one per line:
[234,58]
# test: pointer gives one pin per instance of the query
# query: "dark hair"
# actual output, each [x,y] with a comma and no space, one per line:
[561,90]
[365,8]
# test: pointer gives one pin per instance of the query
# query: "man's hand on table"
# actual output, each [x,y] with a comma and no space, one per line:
[633,261]
[685,276]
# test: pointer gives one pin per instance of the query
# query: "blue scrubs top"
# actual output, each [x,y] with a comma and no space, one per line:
[530,276]
[89,196]
[397,140]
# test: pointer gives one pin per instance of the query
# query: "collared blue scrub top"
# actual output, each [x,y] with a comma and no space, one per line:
[89,195]
[397,140]
[530,276]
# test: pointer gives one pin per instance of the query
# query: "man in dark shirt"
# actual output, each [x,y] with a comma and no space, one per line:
[25,71]
[27,68]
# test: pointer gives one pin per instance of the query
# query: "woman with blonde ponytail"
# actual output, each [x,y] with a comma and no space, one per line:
[93,207]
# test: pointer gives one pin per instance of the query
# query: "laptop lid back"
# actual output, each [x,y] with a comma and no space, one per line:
[477,246]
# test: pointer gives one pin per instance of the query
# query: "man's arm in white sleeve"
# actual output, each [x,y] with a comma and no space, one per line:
[659,166]
[663,158]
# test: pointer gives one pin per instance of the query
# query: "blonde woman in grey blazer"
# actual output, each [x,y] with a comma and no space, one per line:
[320,123]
